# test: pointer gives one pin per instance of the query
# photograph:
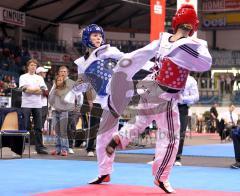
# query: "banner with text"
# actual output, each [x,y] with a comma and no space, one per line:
[225,58]
[52,57]
[220,5]
[12,17]
[157,18]
[225,20]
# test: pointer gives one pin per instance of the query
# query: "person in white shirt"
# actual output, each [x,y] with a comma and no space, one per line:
[229,119]
[41,71]
[32,86]
[188,96]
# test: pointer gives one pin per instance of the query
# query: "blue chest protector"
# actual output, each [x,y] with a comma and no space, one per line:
[99,74]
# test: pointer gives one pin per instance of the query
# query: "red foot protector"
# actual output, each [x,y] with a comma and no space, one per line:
[126,190]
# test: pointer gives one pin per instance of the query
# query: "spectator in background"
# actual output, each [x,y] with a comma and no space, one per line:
[12,84]
[32,86]
[19,62]
[229,120]
[232,83]
[8,84]
[194,121]
[64,72]
[49,78]
[60,115]
[7,42]
[236,144]
[222,84]
[228,84]
[214,118]
[237,78]
[189,96]
[1,88]
[42,72]
[1,42]
[25,52]
[11,61]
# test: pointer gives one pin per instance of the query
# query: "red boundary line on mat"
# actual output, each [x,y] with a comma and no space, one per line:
[126,190]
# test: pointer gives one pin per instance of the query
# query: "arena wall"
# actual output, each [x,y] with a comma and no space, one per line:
[199,110]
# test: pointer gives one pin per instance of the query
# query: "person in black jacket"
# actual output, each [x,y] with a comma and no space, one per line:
[236,144]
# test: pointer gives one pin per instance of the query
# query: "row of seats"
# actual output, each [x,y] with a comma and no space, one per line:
[236,98]
[207,100]
[44,46]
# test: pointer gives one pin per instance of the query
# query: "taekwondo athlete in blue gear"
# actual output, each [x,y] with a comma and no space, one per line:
[95,70]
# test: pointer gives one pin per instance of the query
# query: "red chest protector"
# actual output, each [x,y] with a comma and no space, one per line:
[171,75]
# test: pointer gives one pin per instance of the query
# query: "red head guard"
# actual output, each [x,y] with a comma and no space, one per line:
[186,15]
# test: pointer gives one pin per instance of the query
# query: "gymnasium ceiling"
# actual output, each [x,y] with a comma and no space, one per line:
[42,15]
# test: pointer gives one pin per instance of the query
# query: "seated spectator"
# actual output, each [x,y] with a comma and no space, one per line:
[13,66]
[228,122]
[8,84]
[1,88]
[5,60]
[236,144]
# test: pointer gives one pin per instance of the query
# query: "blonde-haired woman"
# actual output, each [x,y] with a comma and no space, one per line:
[60,116]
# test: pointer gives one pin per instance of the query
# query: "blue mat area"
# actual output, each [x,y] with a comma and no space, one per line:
[29,176]
[213,150]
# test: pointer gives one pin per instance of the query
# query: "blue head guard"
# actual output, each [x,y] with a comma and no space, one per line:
[87,31]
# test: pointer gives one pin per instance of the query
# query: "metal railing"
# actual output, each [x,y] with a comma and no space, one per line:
[45,45]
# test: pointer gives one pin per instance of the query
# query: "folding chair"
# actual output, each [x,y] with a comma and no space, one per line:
[9,130]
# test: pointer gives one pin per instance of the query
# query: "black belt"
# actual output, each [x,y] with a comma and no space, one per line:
[57,111]
[167,89]
[182,105]
[113,112]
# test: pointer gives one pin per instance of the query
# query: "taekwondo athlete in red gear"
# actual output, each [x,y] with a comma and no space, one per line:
[177,54]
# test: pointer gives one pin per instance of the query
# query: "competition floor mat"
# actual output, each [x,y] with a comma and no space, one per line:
[211,150]
[68,177]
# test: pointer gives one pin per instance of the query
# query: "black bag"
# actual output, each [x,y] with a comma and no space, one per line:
[81,134]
